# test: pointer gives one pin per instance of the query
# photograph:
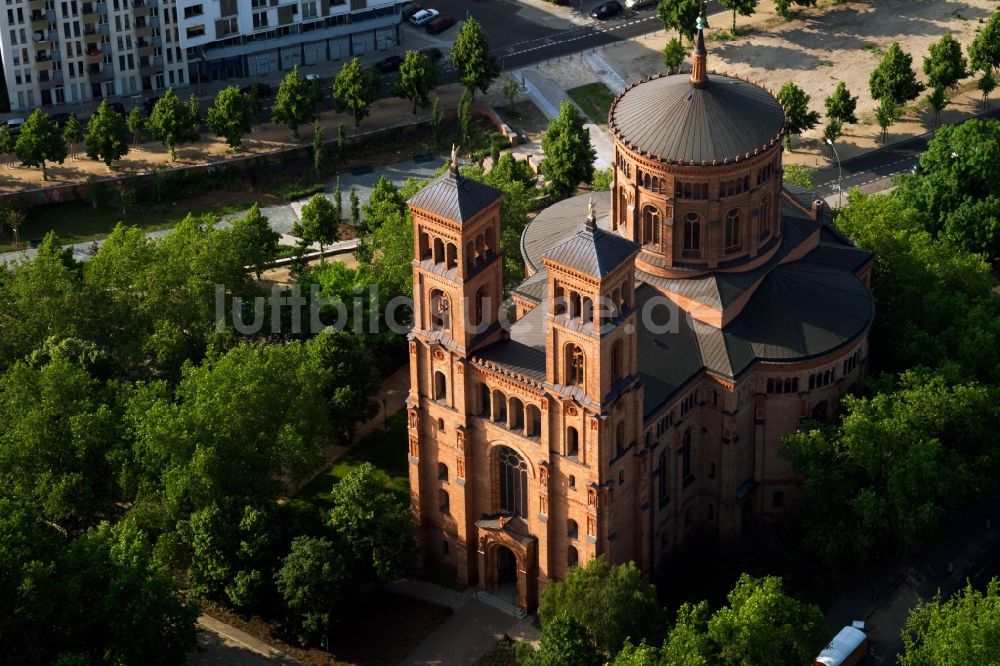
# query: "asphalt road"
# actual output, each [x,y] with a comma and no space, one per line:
[869,168]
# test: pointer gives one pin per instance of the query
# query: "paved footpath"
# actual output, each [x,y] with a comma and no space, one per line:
[220,644]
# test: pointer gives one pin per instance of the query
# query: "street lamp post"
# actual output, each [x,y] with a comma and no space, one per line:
[840,176]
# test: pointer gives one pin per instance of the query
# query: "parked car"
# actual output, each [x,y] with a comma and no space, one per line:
[119,107]
[638,4]
[15,125]
[424,16]
[606,10]
[434,53]
[409,9]
[62,118]
[389,65]
[263,90]
[440,24]
[313,77]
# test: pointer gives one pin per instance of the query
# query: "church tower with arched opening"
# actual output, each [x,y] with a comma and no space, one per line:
[666,338]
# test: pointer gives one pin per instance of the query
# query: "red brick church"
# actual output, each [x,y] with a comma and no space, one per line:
[665,339]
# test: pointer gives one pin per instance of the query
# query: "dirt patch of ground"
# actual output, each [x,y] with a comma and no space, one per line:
[525,118]
[282,275]
[384,629]
[818,48]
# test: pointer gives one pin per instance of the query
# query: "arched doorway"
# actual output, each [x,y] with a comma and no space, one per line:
[506,563]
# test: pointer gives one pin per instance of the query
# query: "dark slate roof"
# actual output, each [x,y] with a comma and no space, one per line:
[524,353]
[534,287]
[592,250]
[803,309]
[670,120]
[454,197]
[555,223]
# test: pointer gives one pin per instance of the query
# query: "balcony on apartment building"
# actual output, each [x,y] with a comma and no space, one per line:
[53,35]
[156,40]
[107,73]
[104,29]
[141,8]
[106,46]
[43,61]
[102,7]
[39,21]
[146,66]
[142,27]
[154,21]
[48,80]
[144,47]
[89,12]
[93,53]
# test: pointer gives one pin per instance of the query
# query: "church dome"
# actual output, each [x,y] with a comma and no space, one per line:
[668,119]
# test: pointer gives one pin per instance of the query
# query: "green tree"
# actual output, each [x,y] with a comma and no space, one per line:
[876,474]
[296,102]
[894,78]
[318,149]
[964,629]
[944,66]
[763,626]
[7,143]
[674,54]
[509,169]
[986,84]
[679,15]
[958,185]
[355,204]
[39,142]
[374,523]
[61,434]
[171,122]
[416,79]
[136,123]
[603,179]
[465,117]
[314,582]
[841,105]
[231,116]
[351,383]
[72,134]
[784,7]
[569,155]
[437,120]
[338,202]
[510,90]
[470,56]
[833,130]
[984,55]
[257,239]
[611,602]
[688,643]
[354,90]
[564,641]
[318,222]
[886,115]
[741,7]
[107,136]
[799,117]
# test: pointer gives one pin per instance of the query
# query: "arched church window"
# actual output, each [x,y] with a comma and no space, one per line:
[572,442]
[732,239]
[650,225]
[440,310]
[617,370]
[572,557]
[513,481]
[572,529]
[692,235]
[575,365]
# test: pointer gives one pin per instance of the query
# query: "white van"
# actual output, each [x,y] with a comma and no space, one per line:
[637,4]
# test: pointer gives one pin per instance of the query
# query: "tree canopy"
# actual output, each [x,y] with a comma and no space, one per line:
[354,90]
[318,222]
[944,66]
[741,7]
[470,56]
[958,185]
[231,115]
[172,122]
[679,15]
[296,102]
[893,78]
[416,79]
[840,105]
[39,142]
[964,629]
[611,602]
[796,103]
[107,135]
[569,154]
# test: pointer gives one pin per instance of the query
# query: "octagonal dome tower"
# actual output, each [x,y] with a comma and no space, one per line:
[697,170]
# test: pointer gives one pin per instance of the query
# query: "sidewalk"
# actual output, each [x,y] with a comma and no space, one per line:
[221,643]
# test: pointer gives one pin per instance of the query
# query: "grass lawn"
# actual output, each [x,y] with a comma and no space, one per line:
[595,100]
[384,449]
[79,222]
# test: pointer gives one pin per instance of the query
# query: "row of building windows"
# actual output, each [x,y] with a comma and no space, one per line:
[821,379]
[852,362]
[730,188]
[786,385]
[688,403]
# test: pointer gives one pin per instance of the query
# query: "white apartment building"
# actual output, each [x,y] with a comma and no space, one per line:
[250,38]
[69,51]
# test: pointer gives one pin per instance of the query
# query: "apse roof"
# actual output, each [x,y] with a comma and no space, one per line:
[668,119]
